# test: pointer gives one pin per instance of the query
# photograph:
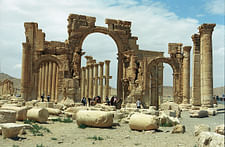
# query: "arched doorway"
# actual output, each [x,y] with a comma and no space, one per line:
[120,49]
[101,47]
[47,77]
[153,68]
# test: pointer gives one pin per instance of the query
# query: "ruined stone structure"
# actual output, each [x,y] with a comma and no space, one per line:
[202,89]
[6,87]
[92,79]
[54,68]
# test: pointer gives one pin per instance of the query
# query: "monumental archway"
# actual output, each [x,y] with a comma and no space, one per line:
[79,27]
[152,70]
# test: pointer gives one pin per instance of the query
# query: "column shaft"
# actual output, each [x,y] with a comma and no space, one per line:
[53,81]
[101,64]
[206,64]
[96,80]
[196,82]
[186,74]
[107,77]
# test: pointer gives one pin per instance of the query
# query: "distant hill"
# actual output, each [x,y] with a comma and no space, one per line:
[16,82]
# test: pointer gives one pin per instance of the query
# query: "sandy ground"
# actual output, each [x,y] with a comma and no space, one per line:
[69,135]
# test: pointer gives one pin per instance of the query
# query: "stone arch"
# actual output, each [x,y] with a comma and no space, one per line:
[176,75]
[47,77]
[105,31]
[46,58]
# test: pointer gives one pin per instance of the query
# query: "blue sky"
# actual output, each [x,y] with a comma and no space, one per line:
[154,22]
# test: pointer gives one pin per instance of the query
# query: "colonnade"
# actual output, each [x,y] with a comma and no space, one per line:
[202,88]
[92,78]
[48,80]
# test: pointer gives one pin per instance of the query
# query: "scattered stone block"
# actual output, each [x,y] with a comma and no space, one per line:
[210,139]
[220,129]
[185,107]
[94,118]
[7,116]
[58,106]
[198,113]
[201,128]
[171,106]
[212,111]
[140,121]
[21,112]
[53,111]
[179,129]
[11,130]
[31,103]
[167,120]
[38,114]
[44,104]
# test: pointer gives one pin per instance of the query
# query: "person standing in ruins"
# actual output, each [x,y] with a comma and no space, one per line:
[84,101]
[138,104]
[42,97]
[48,98]
[107,100]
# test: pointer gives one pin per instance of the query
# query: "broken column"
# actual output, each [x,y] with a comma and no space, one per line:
[186,75]
[107,77]
[101,64]
[206,64]
[196,89]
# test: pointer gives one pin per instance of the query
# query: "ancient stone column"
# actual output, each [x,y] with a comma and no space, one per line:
[56,84]
[50,79]
[186,75]
[43,78]
[196,82]
[83,75]
[39,82]
[91,74]
[26,71]
[87,82]
[101,64]
[46,79]
[107,77]
[119,76]
[96,80]
[53,81]
[206,64]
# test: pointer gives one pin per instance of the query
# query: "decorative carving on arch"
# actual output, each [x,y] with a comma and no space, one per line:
[46,58]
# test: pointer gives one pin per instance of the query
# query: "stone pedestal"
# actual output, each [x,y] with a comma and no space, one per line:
[196,82]
[206,64]
[186,75]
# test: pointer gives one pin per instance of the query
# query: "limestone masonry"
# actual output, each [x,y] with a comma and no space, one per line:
[54,68]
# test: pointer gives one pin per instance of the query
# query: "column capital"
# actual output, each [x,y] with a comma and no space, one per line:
[101,63]
[96,64]
[107,61]
[83,68]
[195,38]
[206,28]
[187,49]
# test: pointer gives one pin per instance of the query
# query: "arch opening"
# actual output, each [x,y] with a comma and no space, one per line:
[102,47]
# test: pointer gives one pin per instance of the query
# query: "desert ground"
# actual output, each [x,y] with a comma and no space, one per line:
[120,135]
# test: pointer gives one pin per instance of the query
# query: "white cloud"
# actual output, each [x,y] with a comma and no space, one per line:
[216,7]
[153,24]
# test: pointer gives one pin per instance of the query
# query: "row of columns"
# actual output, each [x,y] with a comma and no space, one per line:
[202,84]
[92,78]
[48,80]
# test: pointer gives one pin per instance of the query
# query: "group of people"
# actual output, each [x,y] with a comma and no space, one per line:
[43,97]
[114,101]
